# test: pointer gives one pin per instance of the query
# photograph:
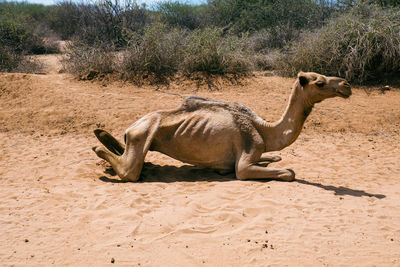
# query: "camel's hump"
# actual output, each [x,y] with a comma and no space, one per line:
[193,103]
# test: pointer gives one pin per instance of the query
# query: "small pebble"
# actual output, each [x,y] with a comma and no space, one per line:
[26,240]
[112,260]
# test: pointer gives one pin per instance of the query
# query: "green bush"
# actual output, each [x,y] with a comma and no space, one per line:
[13,41]
[361,45]
[22,32]
[242,16]
[64,19]
[176,14]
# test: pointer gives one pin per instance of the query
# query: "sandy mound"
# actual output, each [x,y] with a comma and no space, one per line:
[61,205]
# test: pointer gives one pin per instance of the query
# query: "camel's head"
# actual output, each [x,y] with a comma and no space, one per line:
[317,87]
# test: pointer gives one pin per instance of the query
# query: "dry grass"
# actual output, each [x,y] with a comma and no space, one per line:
[161,52]
[362,46]
[81,59]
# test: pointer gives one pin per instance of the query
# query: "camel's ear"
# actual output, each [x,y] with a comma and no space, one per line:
[302,79]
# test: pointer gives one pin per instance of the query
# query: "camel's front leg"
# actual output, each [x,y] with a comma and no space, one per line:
[129,165]
[247,169]
[138,140]
[112,144]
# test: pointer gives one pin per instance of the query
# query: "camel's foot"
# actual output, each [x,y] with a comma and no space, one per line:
[265,157]
[112,144]
[290,177]
[100,152]
[275,159]
[253,171]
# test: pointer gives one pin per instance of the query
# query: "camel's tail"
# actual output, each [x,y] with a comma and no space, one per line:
[112,144]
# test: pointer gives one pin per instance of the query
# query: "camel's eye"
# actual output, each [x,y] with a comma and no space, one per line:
[320,84]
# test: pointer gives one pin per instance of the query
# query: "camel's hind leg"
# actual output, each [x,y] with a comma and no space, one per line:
[247,168]
[266,159]
[110,142]
[138,140]
[270,158]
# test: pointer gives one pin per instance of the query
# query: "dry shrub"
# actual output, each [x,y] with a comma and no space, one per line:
[8,58]
[207,50]
[266,60]
[15,41]
[272,38]
[362,45]
[157,52]
[81,59]
[44,41]
[10,61]
[29,64]
[160,52]
[110,21]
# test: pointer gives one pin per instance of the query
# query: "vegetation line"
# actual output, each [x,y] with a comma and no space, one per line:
[355,39]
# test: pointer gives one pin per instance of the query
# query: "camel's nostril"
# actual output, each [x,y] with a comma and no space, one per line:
[344,83]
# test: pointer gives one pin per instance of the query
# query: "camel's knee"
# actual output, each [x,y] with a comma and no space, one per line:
[135,135]
[128,177]
[242,172]
[131,173]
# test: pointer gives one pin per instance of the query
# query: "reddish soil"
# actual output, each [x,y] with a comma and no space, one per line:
[60,204]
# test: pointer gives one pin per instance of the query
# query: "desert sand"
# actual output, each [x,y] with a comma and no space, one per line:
[61,205]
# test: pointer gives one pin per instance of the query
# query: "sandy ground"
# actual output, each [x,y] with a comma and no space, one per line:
[60,205]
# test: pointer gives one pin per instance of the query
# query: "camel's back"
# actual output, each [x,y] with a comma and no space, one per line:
[204,132]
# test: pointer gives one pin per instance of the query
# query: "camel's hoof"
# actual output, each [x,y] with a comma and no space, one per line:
[95,149]
[290,177]
[99,151]
[99,133]
[276,158]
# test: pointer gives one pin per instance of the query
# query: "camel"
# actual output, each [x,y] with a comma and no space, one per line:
[225,136]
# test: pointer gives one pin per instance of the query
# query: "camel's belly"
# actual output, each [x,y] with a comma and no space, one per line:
[206,152]
[200,138]
[223,163]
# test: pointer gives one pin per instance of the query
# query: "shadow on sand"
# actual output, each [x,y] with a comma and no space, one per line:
[169,174]
[341,190]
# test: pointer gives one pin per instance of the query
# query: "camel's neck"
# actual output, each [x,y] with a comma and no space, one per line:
[285,131]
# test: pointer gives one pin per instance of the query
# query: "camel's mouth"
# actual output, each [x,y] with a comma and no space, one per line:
[344,92]
[344,95]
